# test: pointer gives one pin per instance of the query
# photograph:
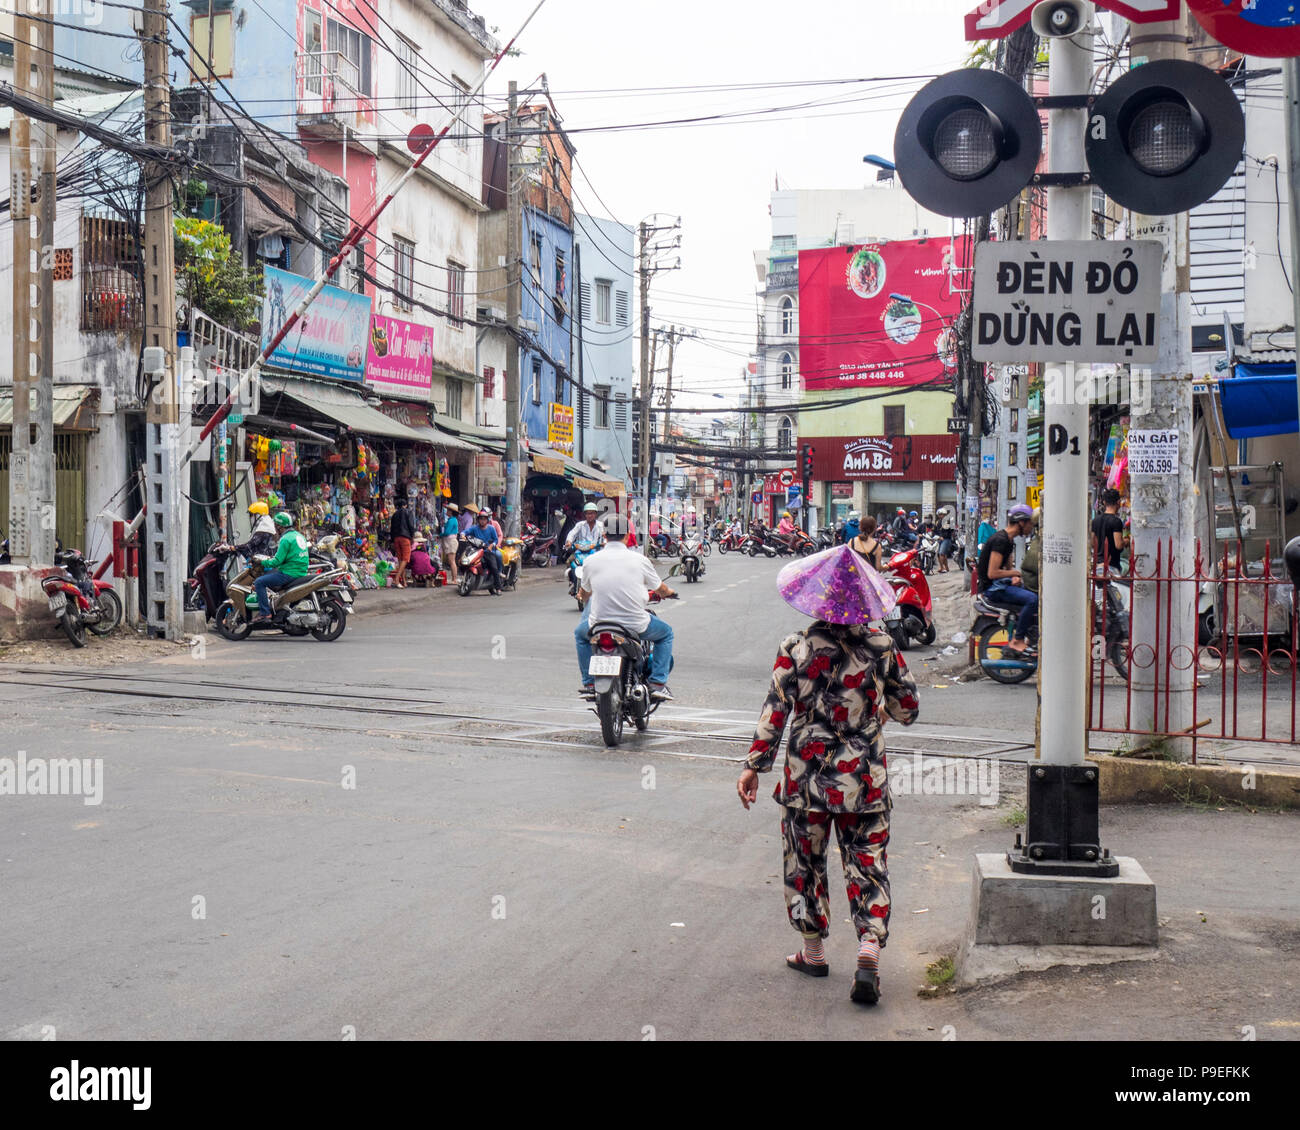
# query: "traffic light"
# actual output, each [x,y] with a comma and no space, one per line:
[807,466]
[968,142]
[1165,137]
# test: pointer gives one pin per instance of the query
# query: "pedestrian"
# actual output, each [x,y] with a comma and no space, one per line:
[468,515]
[866,544]
[1108,534]
[947,539]
[450,541]
[496,525]
[832,684]
[401,532]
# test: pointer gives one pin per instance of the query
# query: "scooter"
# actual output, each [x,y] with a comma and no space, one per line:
[913,616]
[314,604]
[471,563]
[78,601]
[620,670]
[512,560]
[928,552]
[575,557]
[730,541]
[538,549]
[692,559]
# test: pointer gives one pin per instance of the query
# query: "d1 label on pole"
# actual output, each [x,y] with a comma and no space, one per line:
[1269,28]
[1061,300]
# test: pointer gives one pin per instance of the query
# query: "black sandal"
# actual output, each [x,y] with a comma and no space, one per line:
[866,987]
[802,965]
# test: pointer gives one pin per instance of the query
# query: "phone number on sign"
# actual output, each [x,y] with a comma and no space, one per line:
[1153,465]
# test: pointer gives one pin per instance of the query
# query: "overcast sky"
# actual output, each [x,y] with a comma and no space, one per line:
[718,177]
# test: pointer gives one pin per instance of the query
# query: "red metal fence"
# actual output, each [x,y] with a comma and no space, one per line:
[1224,640]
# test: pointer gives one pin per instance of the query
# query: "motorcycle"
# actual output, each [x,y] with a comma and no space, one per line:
[756,542]
[730,541]
[995,625]
[827,538]
[471,563]
[512,560]
[312,605]
[620,670]
[692,559]
[206,591]
[671,547]
[928,552]
[913,616]
[538,549]
[80,602]
[576,555]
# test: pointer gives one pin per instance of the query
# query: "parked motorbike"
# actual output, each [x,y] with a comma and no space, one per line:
[826,538]
[537,548]
[913,616]
[314,604]
[78,601]
[206,591]
[512,560]
[620,670]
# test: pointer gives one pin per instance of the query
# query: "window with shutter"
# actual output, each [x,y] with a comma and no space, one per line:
[603,292]
[620,412]
[621,306]
[602,405]
[585,297]
[895,419]
[489,382]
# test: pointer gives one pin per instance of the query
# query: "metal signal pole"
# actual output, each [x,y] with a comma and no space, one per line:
[514,266]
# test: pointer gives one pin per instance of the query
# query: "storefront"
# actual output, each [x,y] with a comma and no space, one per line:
[884,473]
[75,422]
[559,483]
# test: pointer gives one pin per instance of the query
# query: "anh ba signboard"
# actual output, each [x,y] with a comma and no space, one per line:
[1095,302]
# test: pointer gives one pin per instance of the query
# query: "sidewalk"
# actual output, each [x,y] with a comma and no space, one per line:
[380,602]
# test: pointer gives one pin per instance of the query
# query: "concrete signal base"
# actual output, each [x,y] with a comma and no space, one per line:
[1021,922]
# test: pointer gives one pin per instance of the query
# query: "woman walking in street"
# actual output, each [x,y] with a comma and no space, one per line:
[866,544]
[834,683]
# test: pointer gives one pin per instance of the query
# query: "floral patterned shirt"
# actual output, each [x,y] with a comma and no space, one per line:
[834,685]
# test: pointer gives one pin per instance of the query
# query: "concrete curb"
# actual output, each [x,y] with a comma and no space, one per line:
[1125,780]
[382,602]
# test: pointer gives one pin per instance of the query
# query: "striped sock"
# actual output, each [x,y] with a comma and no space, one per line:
[869,953]
[813,953]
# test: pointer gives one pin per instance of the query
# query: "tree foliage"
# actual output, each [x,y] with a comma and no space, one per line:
[211,276]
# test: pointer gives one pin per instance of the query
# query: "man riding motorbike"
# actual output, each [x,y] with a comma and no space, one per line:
[483,531]
[1002,583]
[614,587]
[902,528]
[589,534]
[288,566]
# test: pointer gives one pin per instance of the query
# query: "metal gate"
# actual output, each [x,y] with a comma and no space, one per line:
[69,486]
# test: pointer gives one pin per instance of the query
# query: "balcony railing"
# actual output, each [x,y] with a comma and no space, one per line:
[329,89]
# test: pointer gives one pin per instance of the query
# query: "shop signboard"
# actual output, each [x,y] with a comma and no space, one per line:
[879,315]
[559,429]
[404,412]
[400,358]
[330,340]
[924,458]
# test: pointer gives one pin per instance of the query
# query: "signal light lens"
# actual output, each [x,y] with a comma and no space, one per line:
[1164,138]
[966,143]
[606,642]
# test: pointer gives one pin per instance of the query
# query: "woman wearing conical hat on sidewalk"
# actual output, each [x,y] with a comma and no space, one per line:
[834,684]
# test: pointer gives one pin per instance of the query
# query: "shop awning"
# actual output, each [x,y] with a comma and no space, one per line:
[488,439]
[74,407]
[547,461]
[419,418]
[338,404]
[1260,401]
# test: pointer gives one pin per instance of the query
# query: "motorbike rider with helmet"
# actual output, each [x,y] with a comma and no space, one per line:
[852,526]
[262,541]
[614,587]
[482,531]
[1001,583]
[902,528]
[287,567]
[786,529]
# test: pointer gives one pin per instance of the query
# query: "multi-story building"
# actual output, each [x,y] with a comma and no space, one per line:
[607,364]
[814,220]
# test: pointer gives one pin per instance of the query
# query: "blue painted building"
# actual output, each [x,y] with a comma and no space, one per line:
[545,315]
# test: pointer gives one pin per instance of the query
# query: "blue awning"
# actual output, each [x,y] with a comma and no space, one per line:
[1260,401]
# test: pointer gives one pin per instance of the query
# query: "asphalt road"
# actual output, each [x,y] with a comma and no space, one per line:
[416,832]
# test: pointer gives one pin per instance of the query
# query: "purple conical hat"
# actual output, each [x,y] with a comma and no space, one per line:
[836,585]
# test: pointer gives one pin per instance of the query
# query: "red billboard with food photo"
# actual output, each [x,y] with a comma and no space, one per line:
[879,314]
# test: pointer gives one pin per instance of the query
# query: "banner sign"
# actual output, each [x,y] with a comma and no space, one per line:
[545,466]
[843,459]
[330,339]
[559,430]
[879,315]
[400,358]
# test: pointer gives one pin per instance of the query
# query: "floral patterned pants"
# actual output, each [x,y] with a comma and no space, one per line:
[863,838]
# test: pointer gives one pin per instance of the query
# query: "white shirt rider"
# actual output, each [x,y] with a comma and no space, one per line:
[619,582]
[587,533]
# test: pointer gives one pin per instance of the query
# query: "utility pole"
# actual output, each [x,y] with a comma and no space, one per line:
[31,475]
[581,413]
[1164,512]
[673,336]
[643,456]
[1291,68]
[167,515]
[514,263]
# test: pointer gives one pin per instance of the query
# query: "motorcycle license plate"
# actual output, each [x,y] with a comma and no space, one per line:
[606,665]
[58,601]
